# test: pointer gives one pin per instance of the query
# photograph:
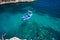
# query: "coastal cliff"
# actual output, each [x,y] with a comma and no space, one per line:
[13,1]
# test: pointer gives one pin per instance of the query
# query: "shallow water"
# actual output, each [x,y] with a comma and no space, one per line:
[43,25]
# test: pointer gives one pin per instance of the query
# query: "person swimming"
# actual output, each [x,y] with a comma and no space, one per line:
[27,16]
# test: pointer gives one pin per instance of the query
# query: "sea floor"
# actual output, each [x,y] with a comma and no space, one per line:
[39,27]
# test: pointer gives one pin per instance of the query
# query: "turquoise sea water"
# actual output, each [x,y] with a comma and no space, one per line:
[43,25]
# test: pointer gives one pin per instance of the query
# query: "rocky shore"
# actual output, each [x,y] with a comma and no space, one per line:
[13,1]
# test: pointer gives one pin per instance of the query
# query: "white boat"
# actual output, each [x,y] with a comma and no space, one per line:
[27,16]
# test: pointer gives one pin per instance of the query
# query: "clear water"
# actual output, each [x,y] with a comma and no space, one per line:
[43,25]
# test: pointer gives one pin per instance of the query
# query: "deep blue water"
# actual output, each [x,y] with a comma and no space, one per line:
[45,20]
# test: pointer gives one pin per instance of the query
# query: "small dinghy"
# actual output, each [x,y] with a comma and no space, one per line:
[27,16]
